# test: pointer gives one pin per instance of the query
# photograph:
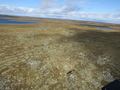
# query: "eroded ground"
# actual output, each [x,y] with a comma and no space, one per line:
[58,55]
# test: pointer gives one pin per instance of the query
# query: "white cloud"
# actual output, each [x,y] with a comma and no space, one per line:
[6,9]
[66,12]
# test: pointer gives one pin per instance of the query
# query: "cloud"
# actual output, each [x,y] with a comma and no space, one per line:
[46,4]
[65,12]
[68,5]
[6,9]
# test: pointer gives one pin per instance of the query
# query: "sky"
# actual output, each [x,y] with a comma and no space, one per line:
[96,10]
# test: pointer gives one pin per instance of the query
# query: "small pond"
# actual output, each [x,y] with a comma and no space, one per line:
[103,28]
[98,27]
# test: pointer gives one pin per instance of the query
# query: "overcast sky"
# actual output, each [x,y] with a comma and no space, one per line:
[99,10]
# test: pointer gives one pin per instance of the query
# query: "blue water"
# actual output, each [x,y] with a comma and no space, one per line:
[10,21]
[104,28]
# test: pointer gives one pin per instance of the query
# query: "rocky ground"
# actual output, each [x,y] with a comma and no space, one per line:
[58,56]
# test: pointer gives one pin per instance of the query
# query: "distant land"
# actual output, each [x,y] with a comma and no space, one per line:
[88,20]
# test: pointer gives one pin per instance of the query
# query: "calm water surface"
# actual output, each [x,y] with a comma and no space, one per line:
[10,21]
[104,28]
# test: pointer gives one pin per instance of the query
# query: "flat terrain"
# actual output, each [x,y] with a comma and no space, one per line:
[58,55]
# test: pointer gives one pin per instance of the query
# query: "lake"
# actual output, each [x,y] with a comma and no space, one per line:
[10,21]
